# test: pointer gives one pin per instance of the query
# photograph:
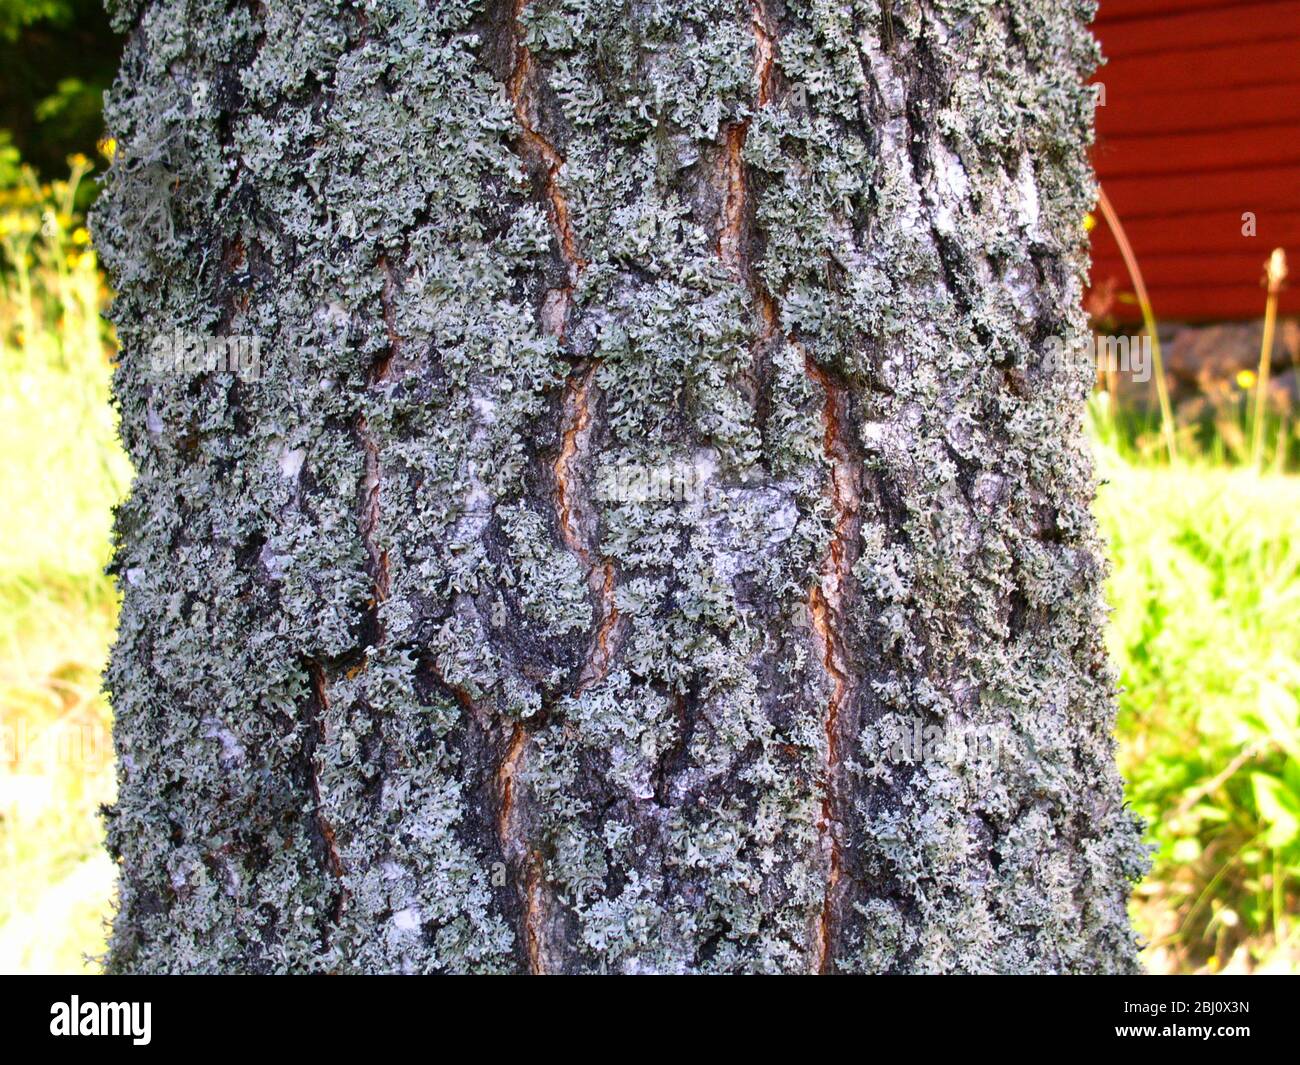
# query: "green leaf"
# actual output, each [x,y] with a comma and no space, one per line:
[1278,807]
[1281,714]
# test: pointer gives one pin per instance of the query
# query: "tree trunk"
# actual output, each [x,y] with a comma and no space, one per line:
[639,531]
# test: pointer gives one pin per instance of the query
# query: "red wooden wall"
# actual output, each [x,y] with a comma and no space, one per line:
[1201,124]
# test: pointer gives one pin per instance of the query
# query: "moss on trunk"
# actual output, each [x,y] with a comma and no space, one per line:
[650,437]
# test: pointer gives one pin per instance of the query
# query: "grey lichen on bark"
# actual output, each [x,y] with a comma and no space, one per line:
[397,688]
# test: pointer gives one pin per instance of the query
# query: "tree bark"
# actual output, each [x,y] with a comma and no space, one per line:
[648,460]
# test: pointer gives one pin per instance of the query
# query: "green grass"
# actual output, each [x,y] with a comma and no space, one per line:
[1206,634]
[61,475]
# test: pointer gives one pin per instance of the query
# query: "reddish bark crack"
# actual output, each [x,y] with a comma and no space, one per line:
[576,408]
[575,438]
[377,556]
[731,232]
[516,849]
[602,650]
[377,565]
[575,433]
[522,98]
[512,834]
[379,372]
[731,244]
[826,606]
[826,599]
[577,424]
[764,52]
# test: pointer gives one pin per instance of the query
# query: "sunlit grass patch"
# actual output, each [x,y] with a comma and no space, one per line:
[1206,633]
[62,472]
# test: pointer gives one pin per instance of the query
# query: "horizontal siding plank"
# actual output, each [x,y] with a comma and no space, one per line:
[1261,63]
[1208,306]
[1117,12]
[1206,270]
[1138,113]
[1263,146]
[1201,124]
[1255,189]
[1214,233]
[1207,27]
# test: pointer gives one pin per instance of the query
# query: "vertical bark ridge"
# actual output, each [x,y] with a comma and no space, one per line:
[575,515]
[319,707]
[736,208]
[576,407]
[372,472]
[387,302]
[576,518]
[826,604]
[602,649]
[575,428]
[826,599]
[731,232]
[370,518]
[377,564]
[513,831]
[520,88]
[517,849]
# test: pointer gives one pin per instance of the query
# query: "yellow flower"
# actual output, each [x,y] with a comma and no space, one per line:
[77,161]
[81,235]
[1246,379]
[1089,223]
[108,147]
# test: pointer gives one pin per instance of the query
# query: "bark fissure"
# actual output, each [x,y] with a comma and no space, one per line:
[827,607]
[734,232]
[573,513]
[736,207]
[379,372]
[512,834]
[827,598]
[517,849]
[318,708]
[525,105]
[576,407]
[377,556]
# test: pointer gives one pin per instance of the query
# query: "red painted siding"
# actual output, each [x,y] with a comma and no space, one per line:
[1201,124]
